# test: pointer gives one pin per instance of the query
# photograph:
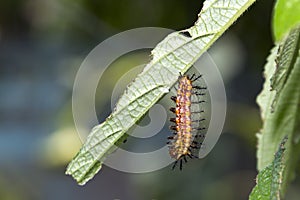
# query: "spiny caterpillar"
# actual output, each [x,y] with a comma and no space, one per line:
[186,127]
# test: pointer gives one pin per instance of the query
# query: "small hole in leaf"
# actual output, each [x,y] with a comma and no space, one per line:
[186,34]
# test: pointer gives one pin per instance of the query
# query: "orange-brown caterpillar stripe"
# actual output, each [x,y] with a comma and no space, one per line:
[183,139]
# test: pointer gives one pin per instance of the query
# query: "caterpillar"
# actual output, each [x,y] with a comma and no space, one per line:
[187,127]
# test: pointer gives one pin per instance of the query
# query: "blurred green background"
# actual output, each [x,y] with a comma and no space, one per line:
[42,44]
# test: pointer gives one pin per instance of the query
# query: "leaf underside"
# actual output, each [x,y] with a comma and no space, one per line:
[174,55]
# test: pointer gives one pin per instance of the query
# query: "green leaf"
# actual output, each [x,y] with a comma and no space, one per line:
[268,181]
[286,16]
[279,104]
[174,55]
[287,55]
